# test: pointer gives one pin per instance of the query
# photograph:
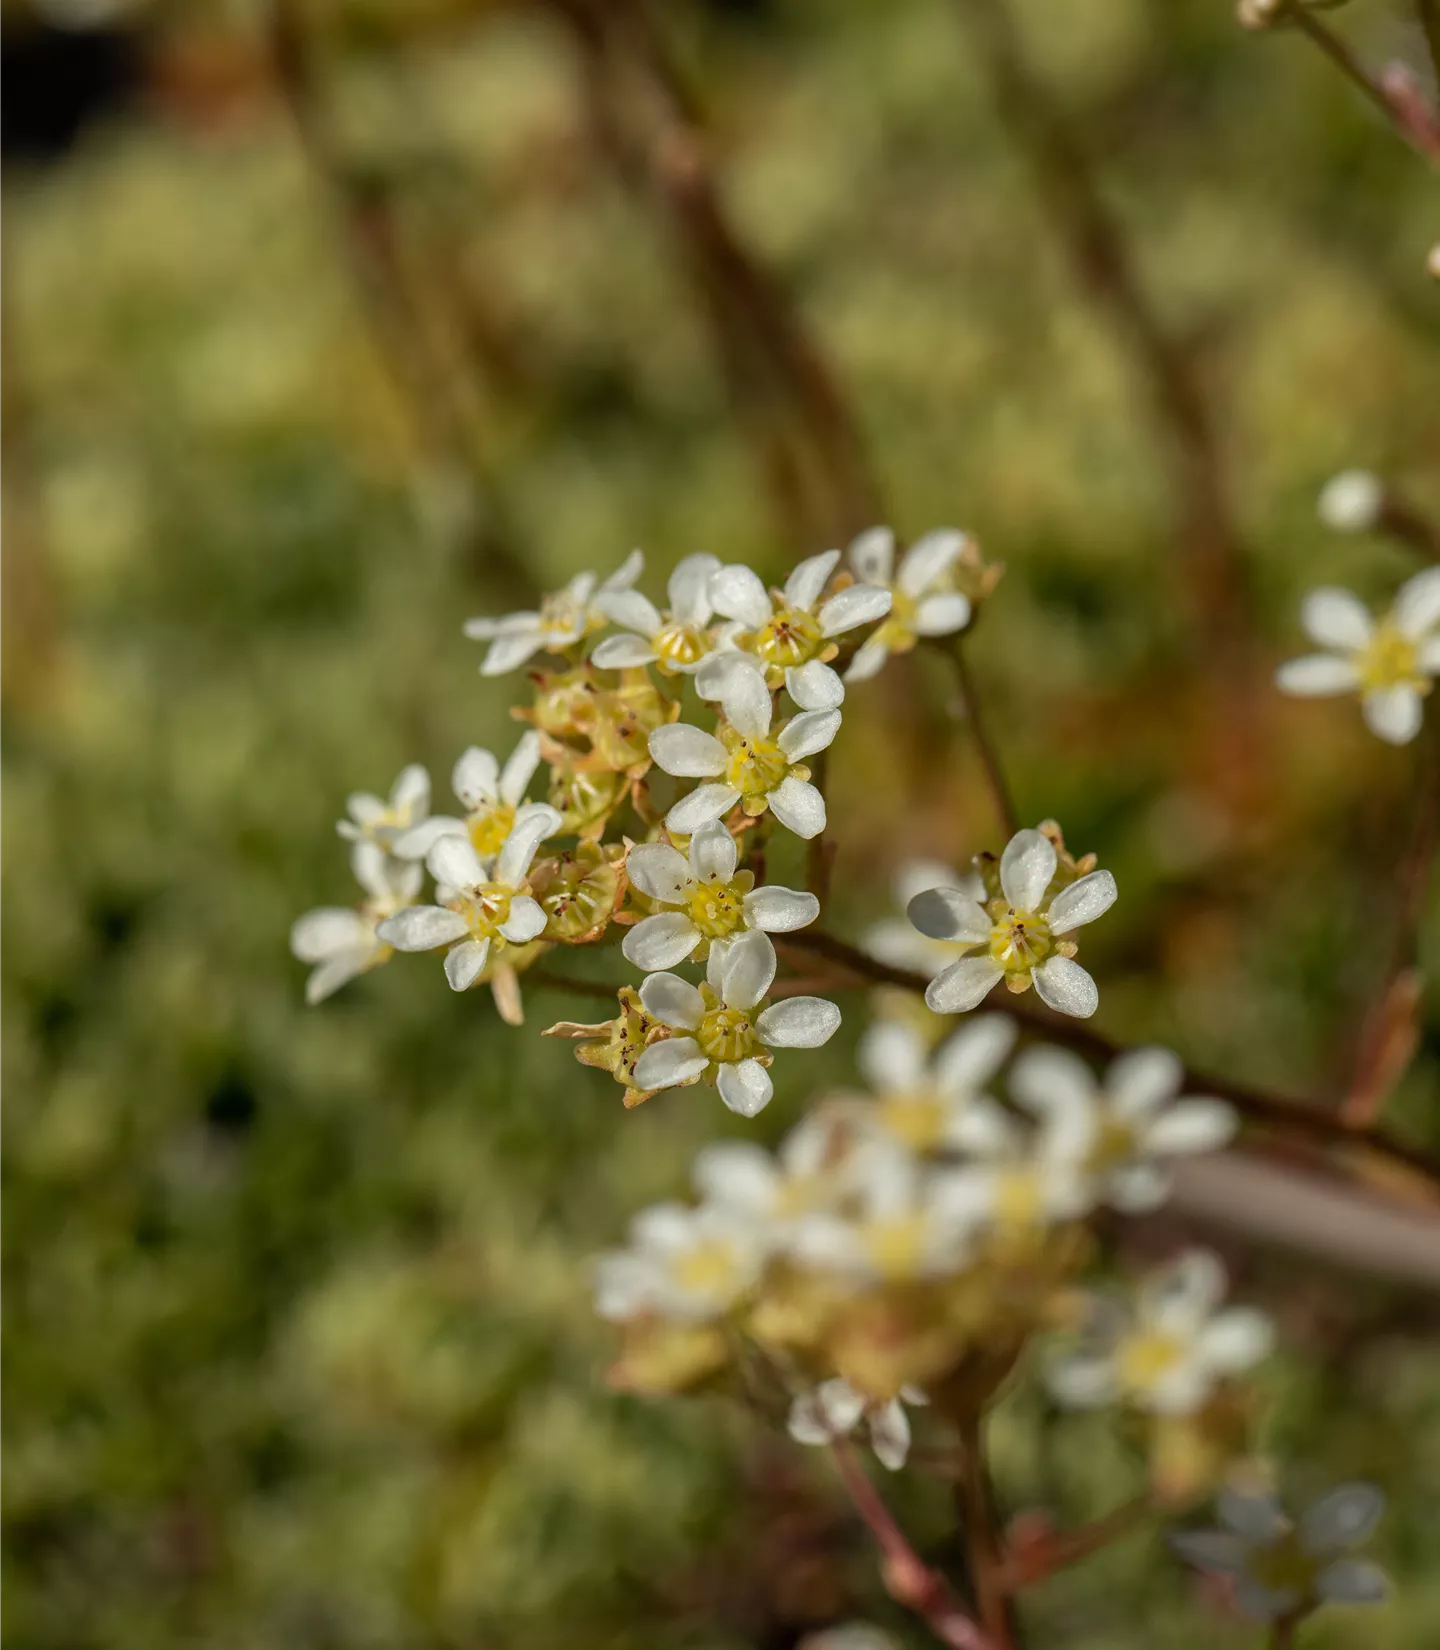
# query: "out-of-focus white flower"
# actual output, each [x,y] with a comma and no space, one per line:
[1128,1122]
[483,906]
[1167,1355]
[562,620]
[1351,502]
[921,605]
[724,1038]
[815,1170]
[704,899]
[1020,935]
[690,1265]
[1018,1182]
[746,763]
[678,640]
[835,1408]
[1281,1569]
[489,794]
[341,941]
[926,1104]
[1391,663]
[375,819]
[898,942]
[849,1635]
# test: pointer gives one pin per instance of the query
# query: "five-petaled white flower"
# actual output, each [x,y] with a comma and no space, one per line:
[921,605]
[1021,933]
[1391,663]
[927,1104]
[341,941]
[746,763]
[484,906]
[677,641]
[897,941]
[691,1265]
[376,819]
[705,899]
[562,620]
[1281,1569]
[489,794]
[724,1039]
[1168,1354]
[1125,1123]
[835,1408]
[815,1169]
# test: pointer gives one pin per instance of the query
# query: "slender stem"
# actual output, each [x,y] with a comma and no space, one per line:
[977,1531]
[1402,103]
[1282,1634]
[1404,523]
[1342,57]
[1429,13]
[1000,795]
[1059,1551]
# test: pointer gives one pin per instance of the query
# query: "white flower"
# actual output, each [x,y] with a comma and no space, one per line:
[1351,502]
[925,1104]
[1020,1181]
[1282,1570]
[1167,1355]
[341,941]
[704,899]
[1127,1122]
[725,1040]
[1391,663]
[373,819]
[483,906]
[815,1170]
[746,763]
[678,640]
[688,1264]
[1021,933]
[835,1408]
[897,941]
[489,794]
[920,606]
[564,619]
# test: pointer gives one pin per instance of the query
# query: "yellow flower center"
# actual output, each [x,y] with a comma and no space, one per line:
[1145,1358]
[1113,1145]
[756,766]
[790,638]
[895,1245]
[678,645]
[1019,1199]
[484,908]
[489,827]
[708,1269]
[914,1116]
[1284,1565]
[1389,660]
[1019,940]
[726,1035]
[717,909]
[898,632]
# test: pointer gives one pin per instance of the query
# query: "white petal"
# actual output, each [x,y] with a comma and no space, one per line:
[964,984]
[1141,1080]
[803,587]
[798,806]
[422,928]
[1085,899]
[1215,1550]
[1351,501]
[630,610]
[892,1055]
[688,589]
[663,1065]
[714,673]
[1343,1518]
[1317,676]
[1061,983]
[1181,1296]
[1393,714]
[508,653]
[328,929]
[411,791]
[1026,868]
[738,593]
[1236,1339]
[869,659]
[511,624]
[746,969]
[1191,1126]
[660,941]
[828,1413]
[949,914]
[780,910]
[533,823]
[969,1058]
[1428,659]
[1417,604]
[1254,1517]
[417,842]
[1136,1188]
[713,854]
[475,778]
[624,575]
[814,686]
[335,971]
[737,1175]
[850,608]
[942,614]
[704,803]
[622,652]
[454,862]
[746,703]
[890,1434]
[746,1088]
[1082,1382]
[1353,1581]
[931,556]
[872,555]
[1044,1079]
[798,1022]
[687,752]
[807,733]
[464,963]
[1336,618]
[659,871]
[525,922]
[672,1001]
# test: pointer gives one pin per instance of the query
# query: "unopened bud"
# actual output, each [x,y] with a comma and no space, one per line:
[1261,14]
[1351,502]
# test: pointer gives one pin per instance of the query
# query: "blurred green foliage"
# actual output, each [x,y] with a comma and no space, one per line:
[299,1345]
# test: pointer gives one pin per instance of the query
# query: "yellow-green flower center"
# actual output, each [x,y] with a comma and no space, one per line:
[484,909]
[1019,940]
[1284,1566]
[726,1035]
[1390,660]
[915,1117]
[678,645]
[895,1245]
[1114,1144]
[898,632]
[756,766]
[1019,1198]
[489,827]
[1145,1358]
[711,1269]
[717,909]
[791,637]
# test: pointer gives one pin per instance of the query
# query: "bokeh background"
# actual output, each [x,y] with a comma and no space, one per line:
[318,344]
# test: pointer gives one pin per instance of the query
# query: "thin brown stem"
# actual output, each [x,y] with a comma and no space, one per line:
[1059,1550]
[996,783]
[1403,522]
[1397,97]
[974,1504]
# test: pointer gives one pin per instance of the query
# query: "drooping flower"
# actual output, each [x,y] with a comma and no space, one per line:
[1281,1569]
[484,906]
[1391,662]
[1020,934]
[704,899]
[898,942]
[381,821]
[489,794]
[678,640]
[341,941]
[562,620]
[927,1104]
[1167,1354]
[1127,1125]
[835,1408]
[688,1265]
[722,1036]
[921,603]
[746,763]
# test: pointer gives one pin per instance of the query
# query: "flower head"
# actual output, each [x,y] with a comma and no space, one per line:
[614,1045]
[489,794]
[561,621]
[923,601]
[722,1036]
[689,1265]
[835,1408]
[342,941]
[1390,662]
[677,641]
[817,1169]
[703,899]
[375,819]
[1019,934]
[926,1104]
